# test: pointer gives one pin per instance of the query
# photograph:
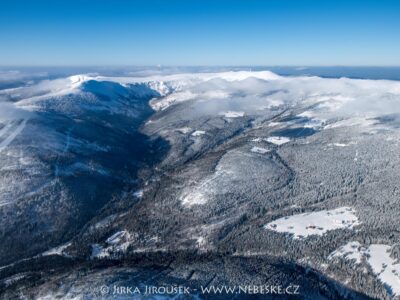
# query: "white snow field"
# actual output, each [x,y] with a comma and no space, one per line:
[232,114]
[315,223]
[377,256]
[351,251]
[198,133]
[184,130]
[278,140]
[57,250]
[385,267]
[259,150]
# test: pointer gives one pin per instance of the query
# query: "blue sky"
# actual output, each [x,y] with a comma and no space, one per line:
[190,32]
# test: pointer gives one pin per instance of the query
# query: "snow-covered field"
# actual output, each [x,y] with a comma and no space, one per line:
[57,250]
[259,150]
[278,140]
[351,251]
[379,259]
[232,114]
[385,267]
[315,223]
[198,133]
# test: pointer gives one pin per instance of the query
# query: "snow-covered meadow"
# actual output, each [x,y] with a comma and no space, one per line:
[315,223]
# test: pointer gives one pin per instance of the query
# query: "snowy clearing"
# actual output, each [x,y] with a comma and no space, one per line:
[57,250]
[184,130]
[259,150]
[138,193]
[198,133]
[342,144]
[339,145]
[116,237]
[278,140]
[232,114]
[386,268]
[257,140]
[350,251]
[196,197]
[315,223]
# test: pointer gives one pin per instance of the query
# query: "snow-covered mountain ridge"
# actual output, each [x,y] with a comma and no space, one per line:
[215,170]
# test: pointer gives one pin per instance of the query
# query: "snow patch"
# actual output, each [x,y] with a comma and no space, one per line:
[273,124]
[339,145]
[115,238]
[385,267]
[198,133]
[342,144]
[350,251]
[138,193]
[278,140]
[259,139]
[259,150]
[57,250]
[184,130]
[232,114]
[195,197]
[99,252]
[315,223]
[201,242]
